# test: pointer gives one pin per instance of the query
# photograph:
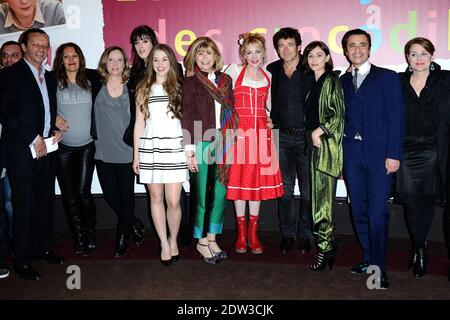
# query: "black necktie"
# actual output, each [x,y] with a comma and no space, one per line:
[355,80]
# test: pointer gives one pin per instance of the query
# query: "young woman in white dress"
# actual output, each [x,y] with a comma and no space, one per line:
[159,158]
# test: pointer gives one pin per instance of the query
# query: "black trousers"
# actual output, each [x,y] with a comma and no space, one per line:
[294,164]
[74,170]
[117,182]
[33,190]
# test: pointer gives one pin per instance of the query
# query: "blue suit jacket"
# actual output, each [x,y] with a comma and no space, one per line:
[382,115]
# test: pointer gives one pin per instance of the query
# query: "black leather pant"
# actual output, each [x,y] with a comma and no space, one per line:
[74,169]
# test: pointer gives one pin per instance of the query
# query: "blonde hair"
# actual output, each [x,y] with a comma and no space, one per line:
[202,43]
[172,85]
[246,39]
[103,71]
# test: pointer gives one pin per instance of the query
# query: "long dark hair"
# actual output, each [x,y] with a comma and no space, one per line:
[140,33]
[60,70]
[172,85]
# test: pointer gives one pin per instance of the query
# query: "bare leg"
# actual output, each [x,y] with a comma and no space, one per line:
[173,193]
[159,217]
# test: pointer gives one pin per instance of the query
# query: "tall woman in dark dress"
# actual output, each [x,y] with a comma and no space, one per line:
[421,178]
[142,40]
[325,129]
[75,156]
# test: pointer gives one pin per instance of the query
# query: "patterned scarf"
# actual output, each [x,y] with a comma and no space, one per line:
[223,94]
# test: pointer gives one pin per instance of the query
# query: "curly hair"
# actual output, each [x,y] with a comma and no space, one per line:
[172,85]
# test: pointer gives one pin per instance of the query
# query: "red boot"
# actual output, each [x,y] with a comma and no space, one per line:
[241,242]
[253,240]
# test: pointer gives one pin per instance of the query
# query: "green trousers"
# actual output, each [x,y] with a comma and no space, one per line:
[207,192]
[323,191]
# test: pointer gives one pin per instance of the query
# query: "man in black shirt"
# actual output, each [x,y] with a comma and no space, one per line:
[289,89]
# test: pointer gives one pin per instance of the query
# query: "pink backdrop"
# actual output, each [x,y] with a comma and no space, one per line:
[178,22]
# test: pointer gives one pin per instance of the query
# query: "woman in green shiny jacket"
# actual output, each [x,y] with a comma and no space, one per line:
[324,127]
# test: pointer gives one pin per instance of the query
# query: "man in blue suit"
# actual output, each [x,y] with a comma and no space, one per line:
[372,147]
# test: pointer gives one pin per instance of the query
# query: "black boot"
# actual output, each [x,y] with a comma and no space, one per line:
[90,242]
[413,260]
[138,232]
[121,245]
[421,266]
[78,235]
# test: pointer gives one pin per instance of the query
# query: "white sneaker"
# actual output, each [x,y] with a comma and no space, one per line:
[4,272]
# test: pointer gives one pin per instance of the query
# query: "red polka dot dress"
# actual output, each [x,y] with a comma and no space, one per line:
[255,173]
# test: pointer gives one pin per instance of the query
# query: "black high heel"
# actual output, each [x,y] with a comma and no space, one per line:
[166,262]
[213,259]
[322,259]
[176,258]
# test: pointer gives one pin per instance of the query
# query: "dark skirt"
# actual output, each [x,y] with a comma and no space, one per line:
[418,173]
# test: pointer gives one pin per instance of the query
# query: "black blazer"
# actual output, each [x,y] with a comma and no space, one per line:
[275,68]
[22,109]
[440,79]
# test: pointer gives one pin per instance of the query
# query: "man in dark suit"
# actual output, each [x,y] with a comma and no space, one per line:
[28,108]
[372,147]
[288,90]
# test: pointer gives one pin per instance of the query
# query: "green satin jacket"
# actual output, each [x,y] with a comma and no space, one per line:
[331,117]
